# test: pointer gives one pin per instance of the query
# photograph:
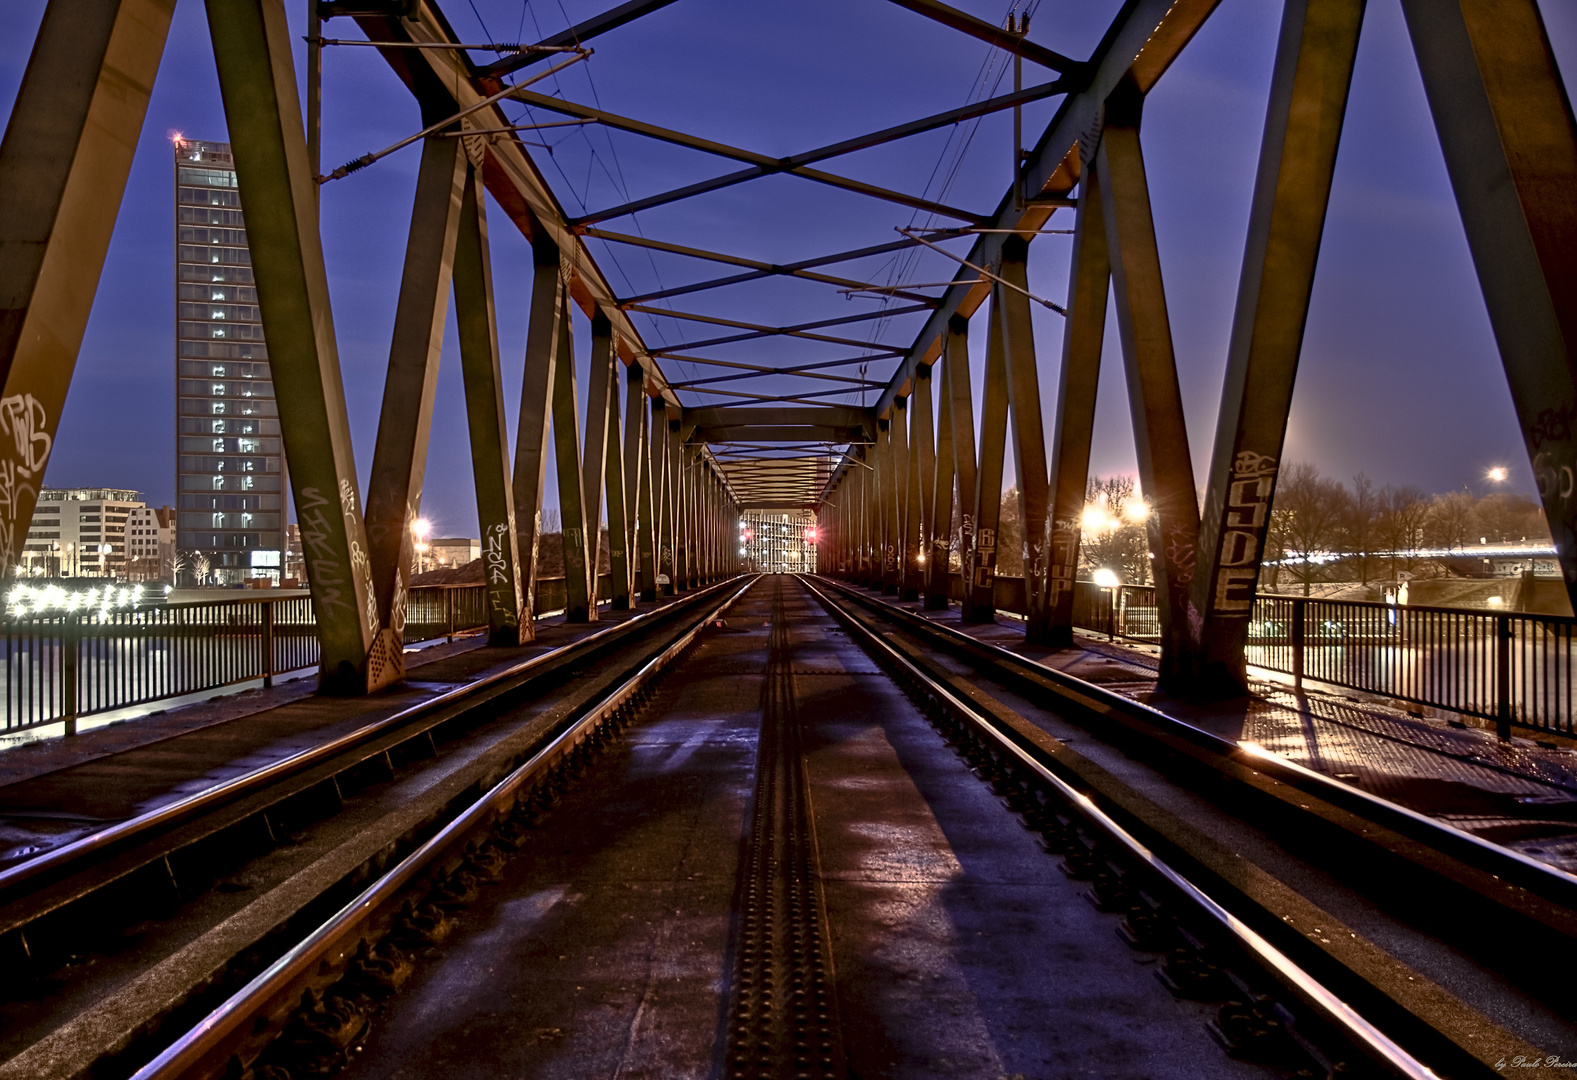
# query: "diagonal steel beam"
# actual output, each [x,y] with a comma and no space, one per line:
[794,163]
[753,331]
[477,329]
[63,166]
[795,269]
[758,268]
[575,35]
[679,138]
[994,35]
[1140,45]
[253,54]
[399,458]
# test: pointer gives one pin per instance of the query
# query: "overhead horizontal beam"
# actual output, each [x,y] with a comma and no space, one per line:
[576,35]
[829,434]
[758,269]
[794,269]
[1138,47]
[996,35]
[679,138]
[796,162]
[737,416]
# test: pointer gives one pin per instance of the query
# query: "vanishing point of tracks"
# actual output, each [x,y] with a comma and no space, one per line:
[773,864]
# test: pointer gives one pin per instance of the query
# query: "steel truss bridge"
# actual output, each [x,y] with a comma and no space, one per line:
[674,467]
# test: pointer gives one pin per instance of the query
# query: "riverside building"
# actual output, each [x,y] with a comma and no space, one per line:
[230,469]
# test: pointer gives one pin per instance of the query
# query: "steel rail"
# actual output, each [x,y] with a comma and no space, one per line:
[62,860]
[335,940]
[1366,1036]
[1548,883]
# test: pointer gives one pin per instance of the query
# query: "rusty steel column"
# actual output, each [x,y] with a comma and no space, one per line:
[399,457]
[638,478]
[922,482]
[63,166]
[252,50]
[662,492]
[913,517]
[1029,433]
[601,443]
[580,558]
[1505,124]
[1165,469]
[897,510]
[621,560]
[980,590]
[676,484]
[1303,123]
[484,407]
[532,427]
[1088,291]
[882,526]
[937,557]
[966,467]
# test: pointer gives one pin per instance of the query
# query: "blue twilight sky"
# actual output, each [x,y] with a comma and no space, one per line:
[1399,376]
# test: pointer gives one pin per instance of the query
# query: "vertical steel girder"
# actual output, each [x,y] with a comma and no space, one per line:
[980,592]
[63,166]
[937,558]
[897,511]
[484,409]
[580,546]
[662,486]
[638,474]
[1505,124]
[548,310]
[1010,310]
[1156,404]
[621,560]
[922,482]
[252,47]
[399,459]
[913,518]
[675,511]
[1088,291]
[1308,101]
[966,469]
[602,444]
[882,531]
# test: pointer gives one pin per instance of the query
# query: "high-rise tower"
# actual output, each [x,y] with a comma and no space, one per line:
[230,467]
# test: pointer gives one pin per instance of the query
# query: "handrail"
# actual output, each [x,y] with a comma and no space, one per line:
[190,1050]
[236,787]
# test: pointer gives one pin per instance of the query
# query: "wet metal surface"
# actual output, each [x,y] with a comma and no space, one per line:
[959,948]
[1520,794]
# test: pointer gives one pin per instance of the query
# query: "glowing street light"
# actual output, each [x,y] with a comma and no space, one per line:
[1107,579]
[1497,475]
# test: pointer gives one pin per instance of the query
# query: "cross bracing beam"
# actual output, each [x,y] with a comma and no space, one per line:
[1139,46]
[576,35]
[996,35]
[807,398]
[678,138]
[755,331]
[510,174]
[818,366]
[758,268]
[761,269]
[796,162]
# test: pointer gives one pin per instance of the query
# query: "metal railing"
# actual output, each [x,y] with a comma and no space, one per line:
[56,668]
[1512,668]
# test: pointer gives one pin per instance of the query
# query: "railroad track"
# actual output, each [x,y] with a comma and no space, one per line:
[1298,982]
[115,944]
[1292,988]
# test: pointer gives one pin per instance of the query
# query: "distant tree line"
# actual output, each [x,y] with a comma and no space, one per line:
[1360,531]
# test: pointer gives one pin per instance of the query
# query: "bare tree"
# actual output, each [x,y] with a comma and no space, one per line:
[1363,518]
[1113,536]
[1449,523]
[1403,518]
[1307,524]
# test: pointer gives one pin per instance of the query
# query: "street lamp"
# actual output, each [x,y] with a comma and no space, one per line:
[1497,475]
[421,529]
[1108,580]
